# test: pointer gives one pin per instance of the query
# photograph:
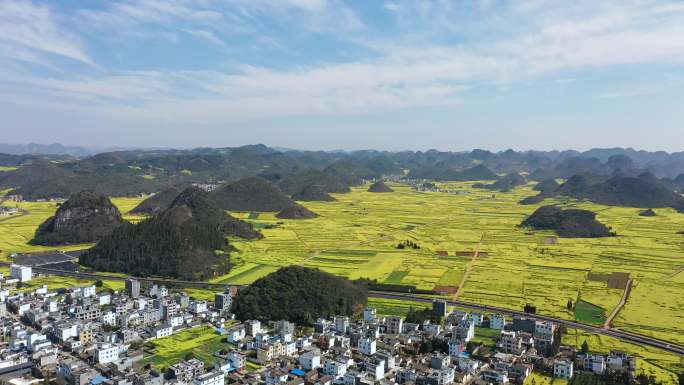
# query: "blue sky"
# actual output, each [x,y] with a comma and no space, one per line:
[330,74]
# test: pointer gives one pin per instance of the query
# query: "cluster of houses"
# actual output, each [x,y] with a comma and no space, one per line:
[90,336]
[6,211]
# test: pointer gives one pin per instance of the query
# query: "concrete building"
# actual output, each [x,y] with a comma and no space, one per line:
[20,272]
[236,360]
[133,288]
[210,378]
[335,368]
[253,327]
[394,325]
[370,314]
[562,369]
[106,353]
[439,309]
[310,360]
[595,363]
[223,301]
[368,346]
[186,371]
[497,321]
[341,324]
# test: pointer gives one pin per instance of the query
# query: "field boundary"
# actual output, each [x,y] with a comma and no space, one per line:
[623,301]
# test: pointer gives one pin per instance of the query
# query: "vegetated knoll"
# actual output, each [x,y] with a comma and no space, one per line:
[313,193]
[251,194]
[679,182]
[572,223]
[505,183]
[647,213]
[36,172]
[642,191]
[547,185]
[86,217]
[299,294]
[445,172]
[159,201]
[380,187]
[187,241]
[313,185]
[296,212]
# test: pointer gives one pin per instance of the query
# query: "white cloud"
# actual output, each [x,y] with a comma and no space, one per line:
[405,71]
[206,35]
[28,31]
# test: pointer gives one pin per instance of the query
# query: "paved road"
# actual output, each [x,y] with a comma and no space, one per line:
[623,335]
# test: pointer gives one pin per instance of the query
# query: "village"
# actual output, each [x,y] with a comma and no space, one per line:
[92,336]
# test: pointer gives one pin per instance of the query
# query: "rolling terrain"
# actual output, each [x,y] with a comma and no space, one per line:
[357,235]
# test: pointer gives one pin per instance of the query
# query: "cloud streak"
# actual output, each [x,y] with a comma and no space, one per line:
[405,70]
[28,30]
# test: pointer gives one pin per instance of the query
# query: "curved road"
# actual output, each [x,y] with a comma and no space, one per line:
[620,334]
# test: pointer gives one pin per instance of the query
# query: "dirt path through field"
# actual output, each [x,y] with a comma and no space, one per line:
[469,267]
[609,321]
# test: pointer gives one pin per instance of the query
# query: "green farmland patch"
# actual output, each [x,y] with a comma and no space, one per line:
[588,313]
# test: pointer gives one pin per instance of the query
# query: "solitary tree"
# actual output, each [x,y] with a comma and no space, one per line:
[585,347]
[569,304]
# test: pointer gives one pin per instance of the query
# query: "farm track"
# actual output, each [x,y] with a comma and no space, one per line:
[623,301]
[466,273]
[676,272]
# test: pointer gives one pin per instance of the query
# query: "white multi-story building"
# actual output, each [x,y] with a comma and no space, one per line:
[310,360]
[162,331]
[253,327]
[210,378]
[289,348]
[65,332]
[176,320]
[198,307]
[236,334]
[465,330]
[20,272]
[108,318]
[370,314]
[595,363]
[376,369]
[88,291]
[51,306]
[497,321]
[394,324]
[368,346]
[106,353]
[477,318]
[511,342]
[236,360]
[432,328]
[456,347]
[562,368]
[341,324]
[334,368]
[105,299]
[303,342]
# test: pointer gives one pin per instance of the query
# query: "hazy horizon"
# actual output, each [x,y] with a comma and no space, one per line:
[99,149]
[331,74]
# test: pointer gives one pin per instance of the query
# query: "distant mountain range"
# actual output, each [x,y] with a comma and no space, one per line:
[314,175]
[54,149]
